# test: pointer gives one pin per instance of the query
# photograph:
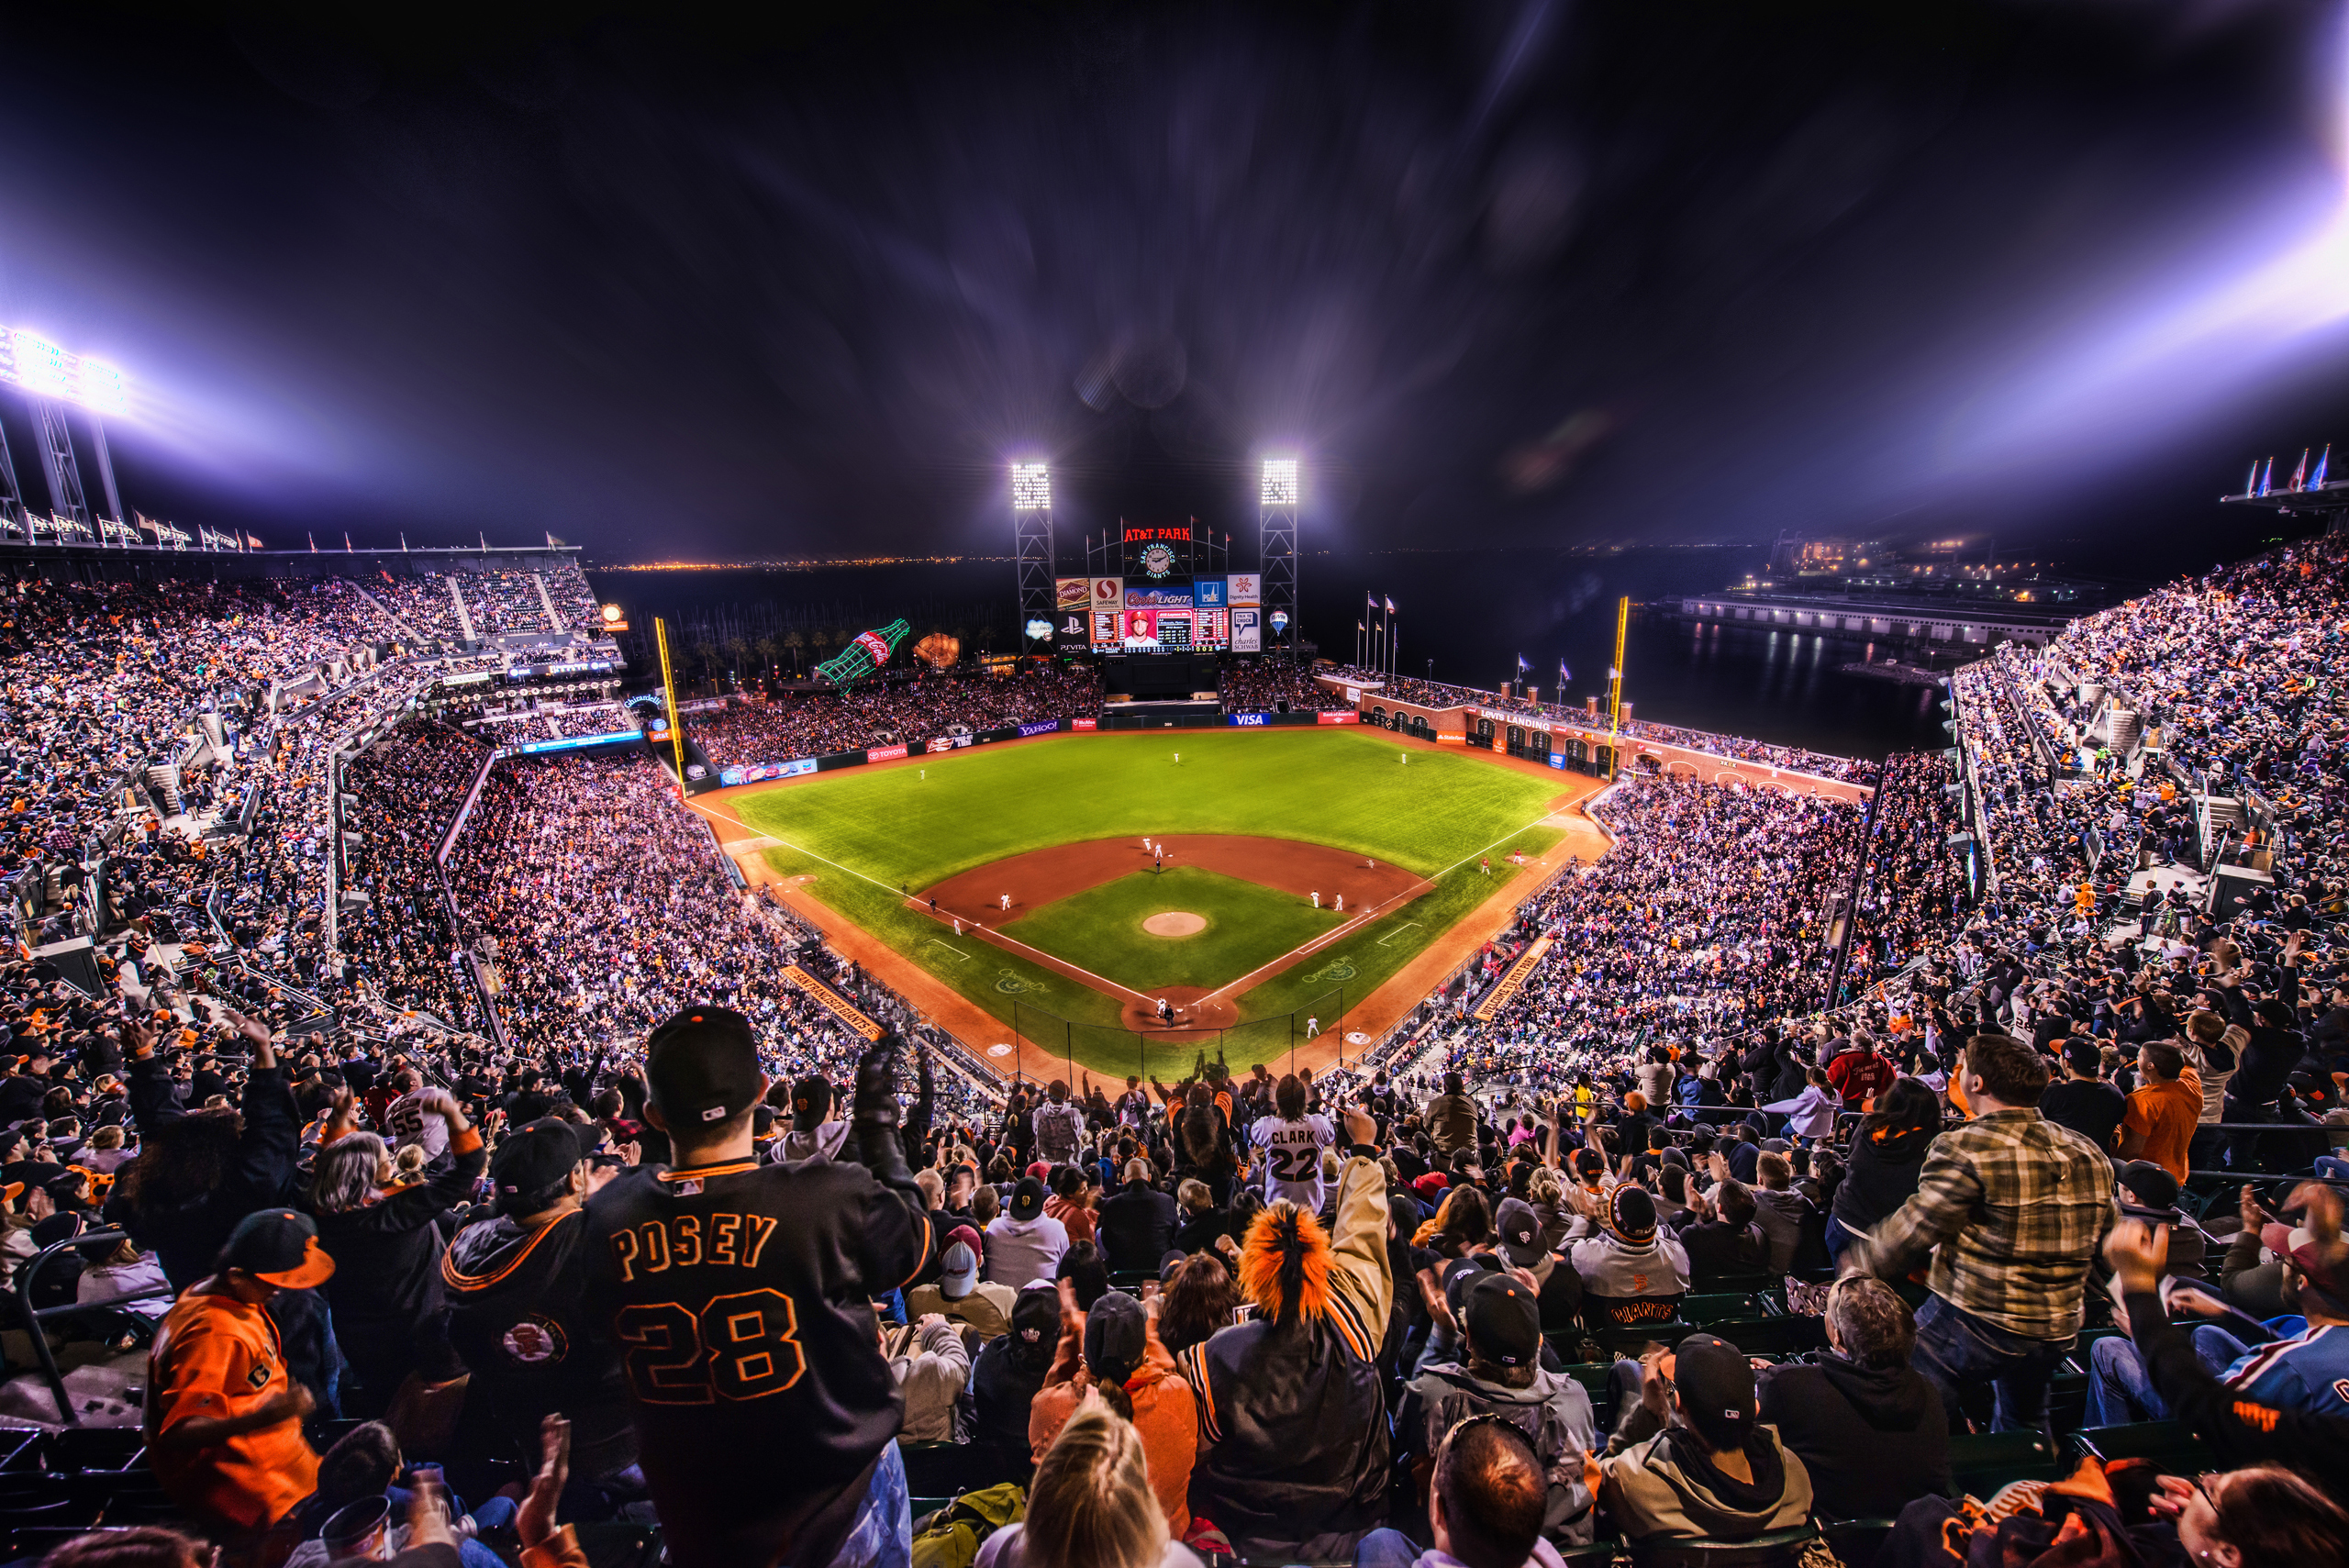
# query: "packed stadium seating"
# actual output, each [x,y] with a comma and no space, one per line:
[890,712]
[1726,1075]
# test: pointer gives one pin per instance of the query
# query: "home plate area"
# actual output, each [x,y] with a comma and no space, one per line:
[1128,943]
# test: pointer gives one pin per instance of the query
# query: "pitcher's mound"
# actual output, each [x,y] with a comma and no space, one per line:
[1175,923]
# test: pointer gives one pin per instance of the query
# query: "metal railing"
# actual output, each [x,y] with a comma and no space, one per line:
[34,1317]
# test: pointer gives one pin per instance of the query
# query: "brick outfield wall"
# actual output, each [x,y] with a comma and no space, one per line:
[1451,728]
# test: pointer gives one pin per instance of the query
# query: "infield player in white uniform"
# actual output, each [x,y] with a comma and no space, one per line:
[1292,1142]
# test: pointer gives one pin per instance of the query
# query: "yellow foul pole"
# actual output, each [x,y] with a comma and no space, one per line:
[1615,690]
[669,695]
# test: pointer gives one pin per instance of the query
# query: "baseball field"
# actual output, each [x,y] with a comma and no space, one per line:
[1104,903]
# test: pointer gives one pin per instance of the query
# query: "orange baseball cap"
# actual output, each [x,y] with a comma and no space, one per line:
[280,1245]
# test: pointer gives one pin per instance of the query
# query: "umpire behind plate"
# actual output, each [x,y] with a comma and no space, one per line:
[741,1297]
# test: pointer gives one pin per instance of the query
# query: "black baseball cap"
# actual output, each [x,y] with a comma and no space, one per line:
[702,1066]
[1630,1214]
[2153,1189]
[811,1099]
[1036,1314]
[535,1156]
[1504,1322]
[1117,1335]
[1028,1198]
[281,1245]
[1715,1387]
[2083,1055]
[1521,1233]
[1462,1273]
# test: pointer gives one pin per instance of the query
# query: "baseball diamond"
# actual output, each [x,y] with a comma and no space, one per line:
[1013,886]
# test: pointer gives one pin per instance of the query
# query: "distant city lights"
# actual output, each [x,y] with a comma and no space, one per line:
[1032,487]
[1280,482]
[44,370]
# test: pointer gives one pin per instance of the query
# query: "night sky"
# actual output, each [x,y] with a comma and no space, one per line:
[672,283]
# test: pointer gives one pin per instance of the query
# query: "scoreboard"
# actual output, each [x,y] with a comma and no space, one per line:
[1159,605]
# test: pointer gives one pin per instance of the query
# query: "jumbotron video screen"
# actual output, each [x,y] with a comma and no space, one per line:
[1159,603]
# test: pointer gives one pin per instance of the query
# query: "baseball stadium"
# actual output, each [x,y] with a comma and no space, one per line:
[1175,788]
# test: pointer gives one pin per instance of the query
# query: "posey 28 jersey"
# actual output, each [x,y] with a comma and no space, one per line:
[739,1295]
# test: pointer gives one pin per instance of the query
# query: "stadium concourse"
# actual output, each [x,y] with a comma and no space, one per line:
[414,1119]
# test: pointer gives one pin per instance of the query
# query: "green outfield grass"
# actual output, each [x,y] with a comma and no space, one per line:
[865,834]
[1249,925]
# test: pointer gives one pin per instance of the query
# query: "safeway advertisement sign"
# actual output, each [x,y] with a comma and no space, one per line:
[1337,718]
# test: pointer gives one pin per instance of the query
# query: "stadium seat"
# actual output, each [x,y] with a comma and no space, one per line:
[1771,1335]
[1777,1549]
[2170,1446]
[1717,1306]
[1856,1542]
[1981,1462]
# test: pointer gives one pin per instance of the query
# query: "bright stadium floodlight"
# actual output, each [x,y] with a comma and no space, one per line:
[44,370]
[1280,482]
[1032,487]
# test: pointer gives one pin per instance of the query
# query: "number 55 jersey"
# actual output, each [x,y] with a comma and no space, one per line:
[739,1296]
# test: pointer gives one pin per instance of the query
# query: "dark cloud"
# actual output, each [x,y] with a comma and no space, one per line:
[673,281]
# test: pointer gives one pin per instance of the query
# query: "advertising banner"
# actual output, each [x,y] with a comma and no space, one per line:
[1042,727]
[884,753]
[1159,598]
[1247,630]
[1208,593]
[1511,983]
[944,743]
[1557,759]
[730,777]
[1072,593]
[1108,592]
[1247,720]
[1071,628]
[1084,724]
[875,647]
[1337,718]
[572,742]
[832,1002]
[1246,588]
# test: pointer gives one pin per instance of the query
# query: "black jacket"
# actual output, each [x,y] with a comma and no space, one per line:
[517,1319]
[186,1230]
[1138,1228]
[1877,1182]
[1872,1439]
[1718,1250]
[386,1286]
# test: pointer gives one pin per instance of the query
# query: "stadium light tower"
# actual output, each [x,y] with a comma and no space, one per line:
[1031,550]
[1277,528]
[51,378]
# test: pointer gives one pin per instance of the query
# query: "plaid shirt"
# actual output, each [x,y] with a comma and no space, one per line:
[2013,1208]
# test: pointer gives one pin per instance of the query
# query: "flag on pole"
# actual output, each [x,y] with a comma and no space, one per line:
[2316,480]
[346,541]
[314,543]
[1521,665]
[550,538]
[1563,676]
[2301,474]
[2266,476]
[1390,606]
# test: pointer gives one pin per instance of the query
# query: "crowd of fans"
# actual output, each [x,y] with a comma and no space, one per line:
[891,711]
[1695,1238]
[1263,686]
[1710,914]
[1441,695]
